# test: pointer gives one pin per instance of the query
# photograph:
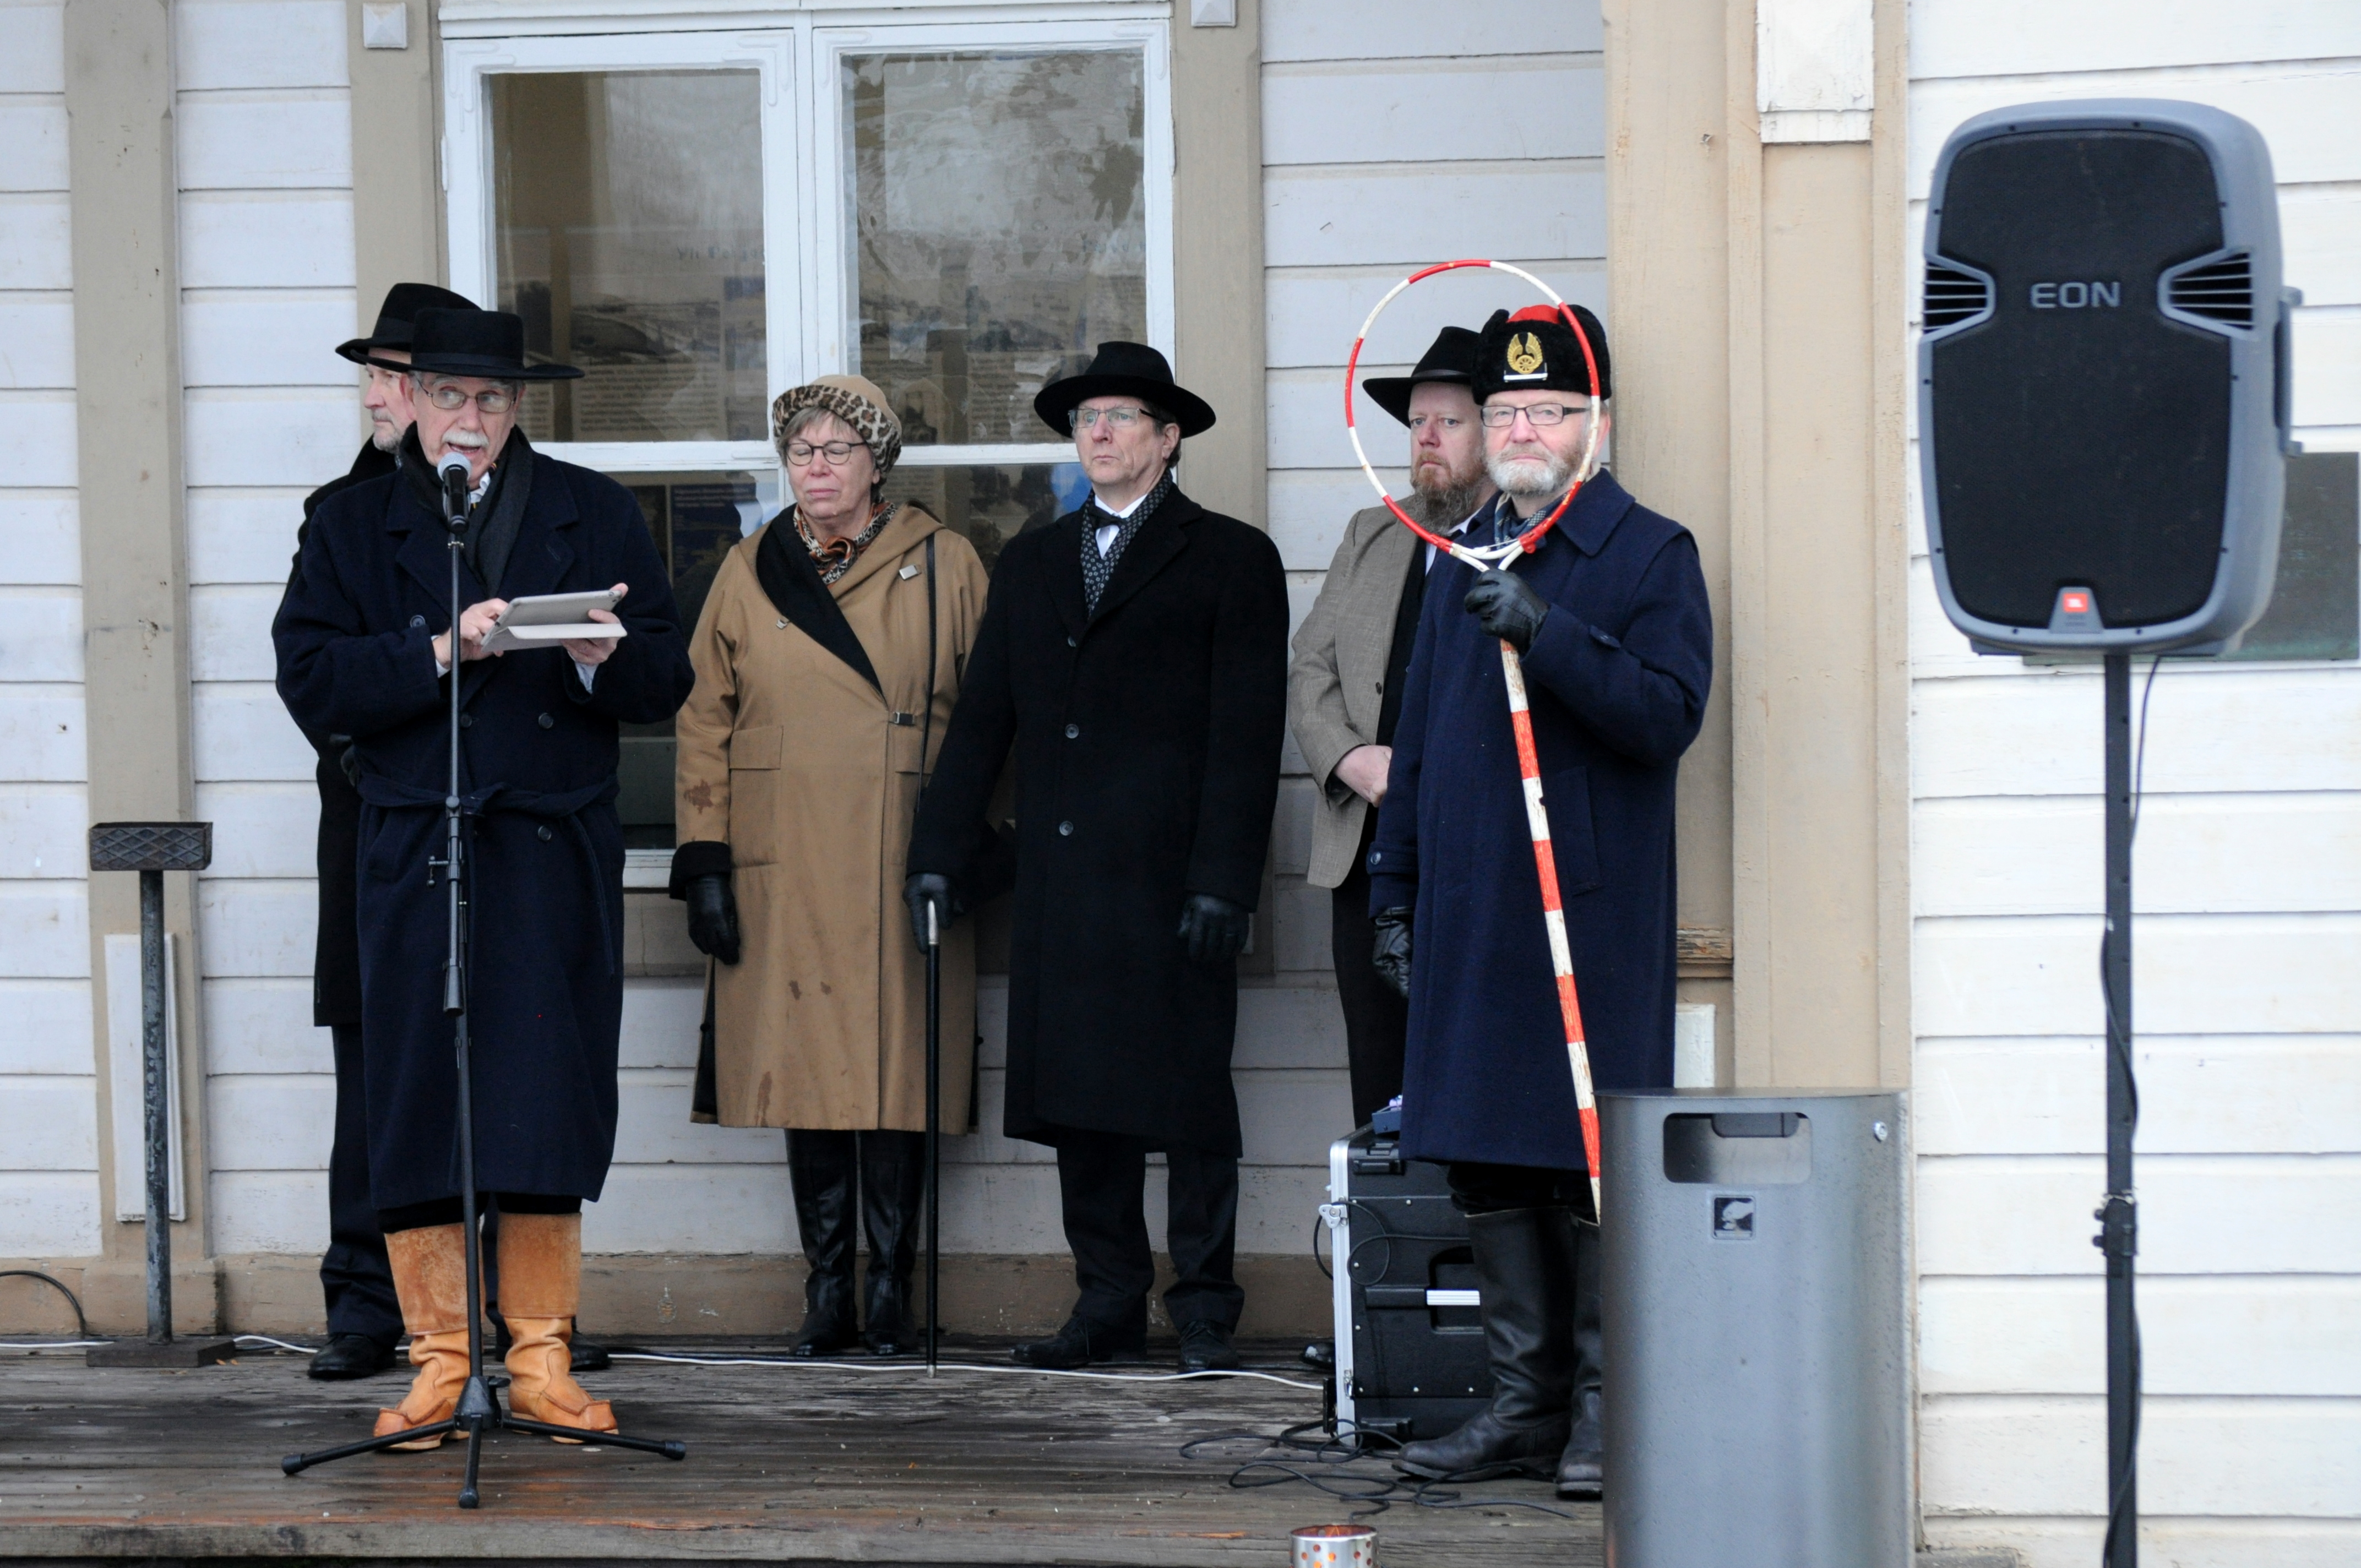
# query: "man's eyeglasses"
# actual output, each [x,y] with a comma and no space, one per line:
[1541,416]
[800,453]
[451,399]
[1117,419]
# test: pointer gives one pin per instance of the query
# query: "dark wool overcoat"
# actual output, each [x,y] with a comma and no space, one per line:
[1146,740]
[1617,678]
[537,767]
[336,954]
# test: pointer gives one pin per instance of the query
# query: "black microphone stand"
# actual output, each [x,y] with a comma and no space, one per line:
[478,1411]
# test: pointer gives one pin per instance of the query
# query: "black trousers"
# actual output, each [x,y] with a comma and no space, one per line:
[353,1274]
[1102,1182]
[1478,1189]
[1377,1021]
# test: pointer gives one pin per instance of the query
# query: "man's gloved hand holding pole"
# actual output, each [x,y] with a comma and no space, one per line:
[1506,607]
[921,890]
[1390,953]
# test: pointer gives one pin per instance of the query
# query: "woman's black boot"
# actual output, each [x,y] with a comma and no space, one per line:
[893,1195]
[822,1165]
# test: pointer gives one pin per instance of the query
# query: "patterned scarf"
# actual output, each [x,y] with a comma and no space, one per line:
[836,557]
[1098,567]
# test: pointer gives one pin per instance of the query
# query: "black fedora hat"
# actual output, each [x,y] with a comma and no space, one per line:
[1451,357]
[1123,370]
[488,344]
[396,317]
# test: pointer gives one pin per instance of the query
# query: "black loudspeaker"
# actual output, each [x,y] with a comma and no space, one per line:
[2104,377]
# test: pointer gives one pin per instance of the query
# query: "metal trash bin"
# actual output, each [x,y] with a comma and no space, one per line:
[1755,1283]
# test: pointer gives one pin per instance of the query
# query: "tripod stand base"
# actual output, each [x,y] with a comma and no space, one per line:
[173,1352]
[478,1421]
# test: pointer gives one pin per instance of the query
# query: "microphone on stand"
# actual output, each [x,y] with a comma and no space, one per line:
[454,471]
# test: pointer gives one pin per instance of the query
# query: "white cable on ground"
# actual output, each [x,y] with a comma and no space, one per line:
[920,1367]
[282,1345]
[55,1345]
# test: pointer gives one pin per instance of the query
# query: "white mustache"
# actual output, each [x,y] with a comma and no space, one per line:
[465,441]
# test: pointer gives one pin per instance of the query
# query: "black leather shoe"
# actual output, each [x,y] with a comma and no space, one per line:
[1583,1466]
[589,1355]
[351,1355]
[1205,1347]
[1080,1344]
[1487,1447]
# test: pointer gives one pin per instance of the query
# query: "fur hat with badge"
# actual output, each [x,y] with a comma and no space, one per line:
[1534,350]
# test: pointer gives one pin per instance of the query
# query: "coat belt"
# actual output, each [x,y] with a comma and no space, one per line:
[564,807]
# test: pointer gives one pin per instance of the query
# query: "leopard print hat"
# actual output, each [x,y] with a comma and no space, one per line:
[857,401]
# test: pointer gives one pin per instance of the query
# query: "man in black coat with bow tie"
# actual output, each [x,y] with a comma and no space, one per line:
[1135,654]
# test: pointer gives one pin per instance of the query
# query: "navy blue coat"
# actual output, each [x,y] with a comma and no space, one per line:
[1617,679]
[538,755]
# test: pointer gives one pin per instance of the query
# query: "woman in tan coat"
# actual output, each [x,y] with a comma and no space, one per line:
[828,658]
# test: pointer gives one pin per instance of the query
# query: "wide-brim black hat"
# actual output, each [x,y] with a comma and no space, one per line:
[1451,358]
[398,315]
[487,343]
[1123,370]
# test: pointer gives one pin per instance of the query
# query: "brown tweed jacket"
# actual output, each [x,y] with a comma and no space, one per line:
[1336,684]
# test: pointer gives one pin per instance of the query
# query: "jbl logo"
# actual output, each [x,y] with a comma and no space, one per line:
[2077,296]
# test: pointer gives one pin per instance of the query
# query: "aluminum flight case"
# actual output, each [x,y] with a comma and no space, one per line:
[1410,1336]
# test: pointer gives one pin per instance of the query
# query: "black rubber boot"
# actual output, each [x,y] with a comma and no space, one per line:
[893,1196]
[1581,1469]
[822,1166]
[1525,1270]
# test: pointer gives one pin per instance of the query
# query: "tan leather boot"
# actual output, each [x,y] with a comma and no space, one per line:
[541,1290]
[430,1279]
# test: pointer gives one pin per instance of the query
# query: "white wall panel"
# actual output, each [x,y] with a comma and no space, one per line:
[35,136]
[263,141]
[247,536]
[36,242]
[37,439]
[40,634]
[229,632]
[1311,316]
[48,1213]
[264,1025]
[45,1026]
[262,830]
[263,240]
[2328,367]
[268,1211]
[269,437]
[53,1124]
[2014,38]
[36,339]
[256,929]
[45,930]
[41,732]
[32,48]
[1430,111]
[271,339]
[2320,239]
[42,830]
[1382,29]
[1356,215]
[269,1122]
[44,532]
[661,1019]
[217,44]
[239,730]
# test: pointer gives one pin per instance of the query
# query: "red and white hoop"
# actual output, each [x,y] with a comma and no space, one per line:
[1489,555]
[1520,723]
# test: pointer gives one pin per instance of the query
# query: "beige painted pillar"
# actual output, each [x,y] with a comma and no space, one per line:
[397,163]
[118,55]
[1217,254]
[1758,323]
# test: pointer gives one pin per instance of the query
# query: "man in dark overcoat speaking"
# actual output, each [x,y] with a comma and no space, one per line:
[1610,620]
[366,642]
[363,1318]
[1135,654]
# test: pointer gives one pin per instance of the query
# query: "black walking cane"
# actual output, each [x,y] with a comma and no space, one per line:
[934,1012]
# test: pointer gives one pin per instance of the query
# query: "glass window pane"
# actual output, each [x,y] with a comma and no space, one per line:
[696,519]
[627,223]
[992,505]
[999,229]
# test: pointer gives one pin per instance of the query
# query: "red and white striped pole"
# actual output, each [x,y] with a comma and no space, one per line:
[1521,721]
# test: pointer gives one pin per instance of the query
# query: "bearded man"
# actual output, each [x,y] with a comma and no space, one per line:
[1344,683]
[1609,616]
[360,654]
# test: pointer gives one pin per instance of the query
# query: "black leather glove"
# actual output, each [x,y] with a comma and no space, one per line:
[1213,930]
[1506,607]
[713,916]
[925,888]
[1390,952]
[348,759]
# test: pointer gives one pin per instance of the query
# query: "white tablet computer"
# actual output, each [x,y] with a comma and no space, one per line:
[545,621]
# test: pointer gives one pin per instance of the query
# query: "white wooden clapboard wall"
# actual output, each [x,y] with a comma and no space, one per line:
[2248,886]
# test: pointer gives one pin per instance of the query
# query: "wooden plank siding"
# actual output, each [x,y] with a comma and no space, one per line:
[49,1082]
[2248,885]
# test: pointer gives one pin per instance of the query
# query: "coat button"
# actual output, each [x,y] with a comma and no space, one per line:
[542,833]
[1065,829]
[1071,642]
[1073,730]
[547,722]
[466,721]
[417,621]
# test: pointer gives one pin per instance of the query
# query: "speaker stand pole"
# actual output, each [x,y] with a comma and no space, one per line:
[2119,1220]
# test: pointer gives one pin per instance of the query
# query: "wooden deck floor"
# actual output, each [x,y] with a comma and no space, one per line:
[807,1466]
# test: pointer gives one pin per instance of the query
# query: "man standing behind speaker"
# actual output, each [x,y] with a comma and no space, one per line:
[1344,685]
[1609,618]
[364,1319]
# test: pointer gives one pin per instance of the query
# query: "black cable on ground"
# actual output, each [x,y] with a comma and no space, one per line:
[1324,1463]
[82,1323]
